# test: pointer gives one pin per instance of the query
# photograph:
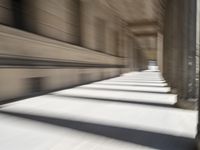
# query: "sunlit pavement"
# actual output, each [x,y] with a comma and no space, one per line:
[131,112]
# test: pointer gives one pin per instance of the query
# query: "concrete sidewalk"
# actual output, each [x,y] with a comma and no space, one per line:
[132,112]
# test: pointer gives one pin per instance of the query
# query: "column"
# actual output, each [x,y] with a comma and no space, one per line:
[160,51]
[180,51]
[187,97]
[197,71]
[167,42]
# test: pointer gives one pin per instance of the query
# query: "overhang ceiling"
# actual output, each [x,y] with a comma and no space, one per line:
[144,17]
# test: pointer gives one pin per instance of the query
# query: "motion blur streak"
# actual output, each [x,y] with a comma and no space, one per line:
[99,74]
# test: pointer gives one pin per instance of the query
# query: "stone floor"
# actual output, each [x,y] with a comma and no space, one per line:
[132,112]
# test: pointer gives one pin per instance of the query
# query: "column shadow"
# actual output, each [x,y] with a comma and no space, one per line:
[121,84]
[135,81]
[122,90]
[87,98]
[150,139]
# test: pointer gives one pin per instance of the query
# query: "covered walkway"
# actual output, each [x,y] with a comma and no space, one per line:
[130,112]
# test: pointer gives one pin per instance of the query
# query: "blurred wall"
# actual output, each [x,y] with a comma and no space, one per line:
[48,45]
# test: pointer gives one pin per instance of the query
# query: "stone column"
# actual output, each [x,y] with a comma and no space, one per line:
[180,50]
[198,42]
[167,42]
[171,41]
[135,55]
[160,51]
[187,97]
[175,49]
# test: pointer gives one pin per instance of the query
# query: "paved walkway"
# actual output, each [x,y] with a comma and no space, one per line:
[131,112]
